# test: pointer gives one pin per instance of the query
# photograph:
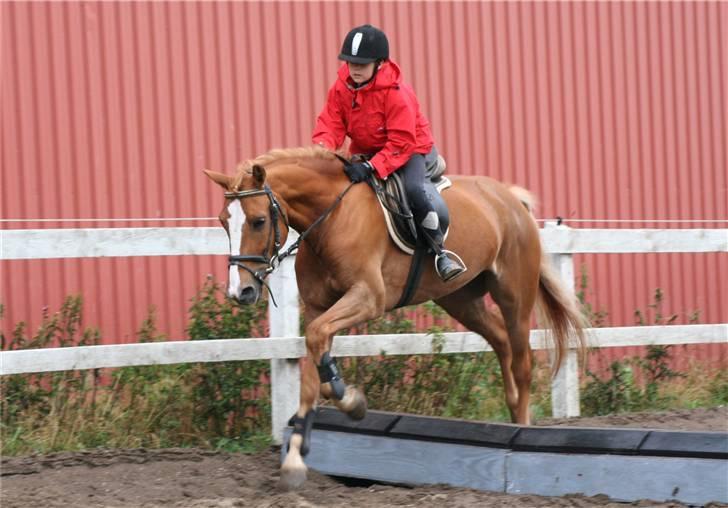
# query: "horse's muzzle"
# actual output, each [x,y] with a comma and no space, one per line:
[247,295]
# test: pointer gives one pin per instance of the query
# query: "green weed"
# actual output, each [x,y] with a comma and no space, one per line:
[213,405]
[637,383]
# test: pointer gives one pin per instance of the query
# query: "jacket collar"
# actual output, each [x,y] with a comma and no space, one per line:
[388,76]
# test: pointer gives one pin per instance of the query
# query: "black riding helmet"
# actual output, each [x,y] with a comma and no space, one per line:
[365,44]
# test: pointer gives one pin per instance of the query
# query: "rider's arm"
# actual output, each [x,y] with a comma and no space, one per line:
[401,121]
[330,130]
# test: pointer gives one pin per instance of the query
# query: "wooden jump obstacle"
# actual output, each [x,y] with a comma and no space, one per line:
[624,464]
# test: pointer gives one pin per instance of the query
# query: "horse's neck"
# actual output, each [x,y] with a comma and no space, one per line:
[306,193]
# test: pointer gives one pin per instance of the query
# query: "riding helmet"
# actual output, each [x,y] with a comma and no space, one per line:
[365,44]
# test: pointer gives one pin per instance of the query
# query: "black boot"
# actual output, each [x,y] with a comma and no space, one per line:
[448,265]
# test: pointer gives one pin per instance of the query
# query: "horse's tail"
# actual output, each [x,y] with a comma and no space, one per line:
[525,197]
[556,307]
[558,311]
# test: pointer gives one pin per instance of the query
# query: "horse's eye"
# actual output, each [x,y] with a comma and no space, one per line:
[258,223]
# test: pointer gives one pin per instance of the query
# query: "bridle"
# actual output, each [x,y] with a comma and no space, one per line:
[271,262]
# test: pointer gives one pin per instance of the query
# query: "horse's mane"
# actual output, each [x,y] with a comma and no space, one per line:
[279,154]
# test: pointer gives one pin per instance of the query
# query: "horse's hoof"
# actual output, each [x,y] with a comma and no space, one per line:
[291,479]
[358,406]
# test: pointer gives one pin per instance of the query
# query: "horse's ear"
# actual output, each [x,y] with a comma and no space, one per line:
[219,178]
[258,175]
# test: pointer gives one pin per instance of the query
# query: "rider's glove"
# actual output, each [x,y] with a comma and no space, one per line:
[359,171]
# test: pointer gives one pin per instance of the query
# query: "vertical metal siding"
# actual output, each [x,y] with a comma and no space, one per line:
[604,110]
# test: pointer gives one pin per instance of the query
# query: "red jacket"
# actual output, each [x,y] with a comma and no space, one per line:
[383,117]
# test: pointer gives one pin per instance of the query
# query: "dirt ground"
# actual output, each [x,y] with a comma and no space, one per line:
[192,478]
[711,419]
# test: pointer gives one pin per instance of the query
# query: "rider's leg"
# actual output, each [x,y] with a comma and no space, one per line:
[426,216]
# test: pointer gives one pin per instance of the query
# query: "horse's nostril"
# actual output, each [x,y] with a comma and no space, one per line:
[248,295]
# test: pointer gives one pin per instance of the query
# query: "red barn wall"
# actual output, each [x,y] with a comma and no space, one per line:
[604,110]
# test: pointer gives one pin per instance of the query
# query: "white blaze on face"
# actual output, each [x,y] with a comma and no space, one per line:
[235,230]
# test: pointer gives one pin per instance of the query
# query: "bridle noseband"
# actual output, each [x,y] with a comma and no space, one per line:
[272,261]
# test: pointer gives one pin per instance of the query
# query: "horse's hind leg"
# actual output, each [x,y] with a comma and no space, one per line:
[468,307]
[515,294]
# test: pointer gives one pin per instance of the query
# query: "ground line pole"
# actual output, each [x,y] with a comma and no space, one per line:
[285,375]
[565,385]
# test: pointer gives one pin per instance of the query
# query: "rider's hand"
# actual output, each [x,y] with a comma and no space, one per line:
[359,171]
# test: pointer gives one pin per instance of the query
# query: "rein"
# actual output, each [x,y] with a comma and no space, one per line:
[272,262]
[318,221]
[385,197]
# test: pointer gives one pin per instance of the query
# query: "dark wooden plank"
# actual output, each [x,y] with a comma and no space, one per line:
[710,445]
[406,461]
[375,422]
[454,431]
[623,478]
[579,440]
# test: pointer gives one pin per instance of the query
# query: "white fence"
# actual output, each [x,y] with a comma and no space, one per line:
[285,347]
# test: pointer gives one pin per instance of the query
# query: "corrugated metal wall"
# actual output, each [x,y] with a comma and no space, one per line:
[605,110]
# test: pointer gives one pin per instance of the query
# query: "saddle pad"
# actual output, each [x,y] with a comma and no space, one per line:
[400,229]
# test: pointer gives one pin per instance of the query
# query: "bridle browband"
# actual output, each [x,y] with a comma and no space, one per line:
[271,262]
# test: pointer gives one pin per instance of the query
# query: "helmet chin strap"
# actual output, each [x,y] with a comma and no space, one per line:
[374,74]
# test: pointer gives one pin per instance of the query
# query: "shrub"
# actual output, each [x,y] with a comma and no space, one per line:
[621,391]
[214,405]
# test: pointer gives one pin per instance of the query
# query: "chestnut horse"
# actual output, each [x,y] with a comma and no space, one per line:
[349,271]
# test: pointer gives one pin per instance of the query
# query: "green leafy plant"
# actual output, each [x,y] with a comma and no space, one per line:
[615,394]
[215,405]
[718,389]
[232,397]
[621,391]
[465,385]
[596,318]
[53,396]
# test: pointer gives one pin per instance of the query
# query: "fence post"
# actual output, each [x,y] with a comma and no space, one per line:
[285,376]
[565,386]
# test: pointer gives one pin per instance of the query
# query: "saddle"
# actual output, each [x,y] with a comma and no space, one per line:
[397,210]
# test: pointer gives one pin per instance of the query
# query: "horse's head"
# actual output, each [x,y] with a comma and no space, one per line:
[256,226]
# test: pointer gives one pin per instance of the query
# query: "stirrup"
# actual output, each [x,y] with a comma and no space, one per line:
[448,253]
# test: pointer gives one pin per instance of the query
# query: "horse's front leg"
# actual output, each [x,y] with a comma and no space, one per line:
[320,373]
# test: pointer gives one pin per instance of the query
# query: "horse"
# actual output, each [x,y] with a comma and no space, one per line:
[349,271]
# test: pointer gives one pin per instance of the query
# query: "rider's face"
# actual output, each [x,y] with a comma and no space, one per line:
[361,72]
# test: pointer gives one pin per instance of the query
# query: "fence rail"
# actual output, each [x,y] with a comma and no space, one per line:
[285,347]
[279,348]
[126,242]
